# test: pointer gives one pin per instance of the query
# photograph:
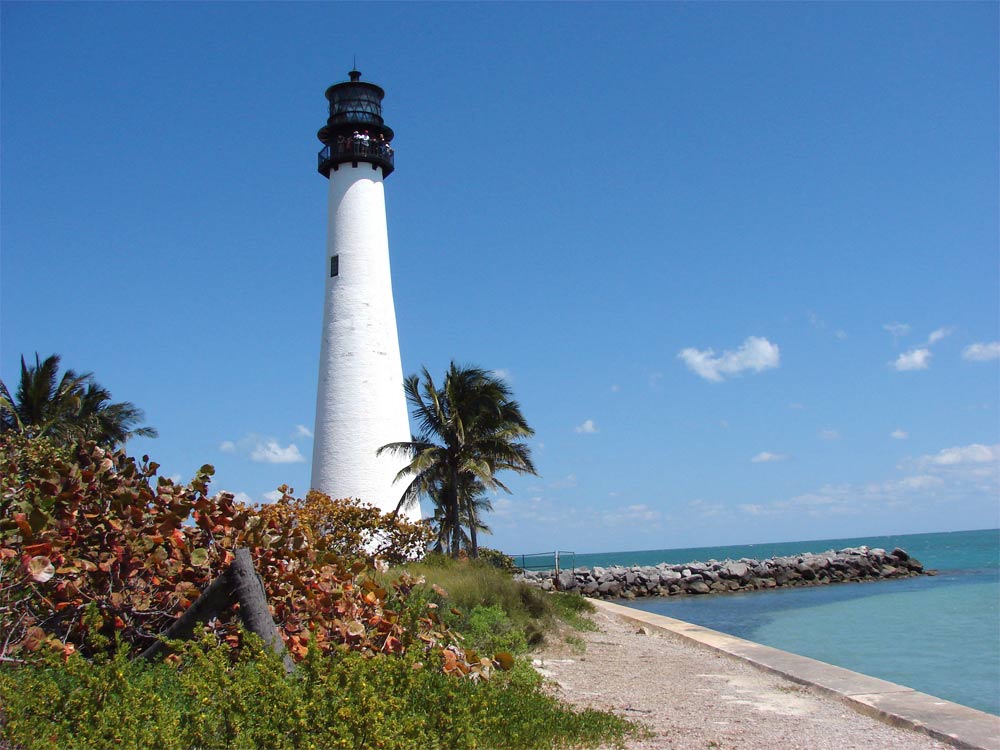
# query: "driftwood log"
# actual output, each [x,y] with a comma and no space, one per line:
[238,584]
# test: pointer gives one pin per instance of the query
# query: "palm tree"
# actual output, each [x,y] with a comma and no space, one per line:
[470,516]
[474,505]
[470,429]
[70,409]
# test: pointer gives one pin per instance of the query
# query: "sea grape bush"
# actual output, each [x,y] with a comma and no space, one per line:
[350,528]
[96,549]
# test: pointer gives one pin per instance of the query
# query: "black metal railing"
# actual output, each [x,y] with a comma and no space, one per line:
[546,561]
[353,151]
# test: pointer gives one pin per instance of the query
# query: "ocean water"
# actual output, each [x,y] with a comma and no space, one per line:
[939,635]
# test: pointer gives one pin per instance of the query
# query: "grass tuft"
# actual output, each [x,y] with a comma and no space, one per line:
[473,587]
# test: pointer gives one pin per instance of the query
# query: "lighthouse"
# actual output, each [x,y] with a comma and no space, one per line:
[360,404]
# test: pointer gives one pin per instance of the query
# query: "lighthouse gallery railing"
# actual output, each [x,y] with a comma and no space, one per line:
[379,154]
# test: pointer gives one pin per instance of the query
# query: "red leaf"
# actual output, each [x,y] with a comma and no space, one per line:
[22,523]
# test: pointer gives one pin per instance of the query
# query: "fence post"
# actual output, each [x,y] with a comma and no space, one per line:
[557,563]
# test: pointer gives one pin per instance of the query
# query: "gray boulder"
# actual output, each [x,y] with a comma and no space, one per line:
[736,570]
[669,576]
[609,588]
[697,587]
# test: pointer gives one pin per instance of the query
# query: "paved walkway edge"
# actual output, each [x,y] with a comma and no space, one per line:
[894,704]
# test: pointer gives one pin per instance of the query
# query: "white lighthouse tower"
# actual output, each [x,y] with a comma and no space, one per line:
[360,404]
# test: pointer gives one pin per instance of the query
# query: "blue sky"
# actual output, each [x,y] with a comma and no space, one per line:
[738,261]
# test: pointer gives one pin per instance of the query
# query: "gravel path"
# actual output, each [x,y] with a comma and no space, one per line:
[690,696]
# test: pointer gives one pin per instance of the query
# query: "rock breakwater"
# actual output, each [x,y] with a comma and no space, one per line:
[665,579]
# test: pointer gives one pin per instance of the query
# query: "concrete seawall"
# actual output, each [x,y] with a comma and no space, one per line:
[695,578]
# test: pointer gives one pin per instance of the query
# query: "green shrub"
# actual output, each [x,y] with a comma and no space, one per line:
[573,609]
[497,559]
[206,700]
[490,631]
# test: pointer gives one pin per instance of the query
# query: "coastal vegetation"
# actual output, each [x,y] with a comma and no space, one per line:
[206,699]
[470,428]
[492,610]
[99,556]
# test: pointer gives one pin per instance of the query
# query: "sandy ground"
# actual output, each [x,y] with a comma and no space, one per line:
[690,696]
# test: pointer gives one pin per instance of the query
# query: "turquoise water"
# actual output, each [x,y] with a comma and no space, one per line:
[939,635]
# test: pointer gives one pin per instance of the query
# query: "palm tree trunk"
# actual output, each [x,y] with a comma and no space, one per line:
[248,590]
[451,498]
[238,583]
[456,538]
[473,544]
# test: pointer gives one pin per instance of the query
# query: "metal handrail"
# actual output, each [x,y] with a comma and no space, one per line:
[359,150]
[555,555]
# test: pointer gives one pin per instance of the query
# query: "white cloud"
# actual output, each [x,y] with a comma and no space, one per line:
[952,477]
[615,387]
[587,428]
[916,482]
[899,434]
[982,352]
[263,450]
[920,357]
[706,509]
[766,457]
[270,452]
[915,359]
[756,354]
[897,329]
[962,456]
[535,510]
[829,434]
[302,431]
[631,514]
[840,334]
[937,335]
[273,496]
[242,497]
[503,374]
